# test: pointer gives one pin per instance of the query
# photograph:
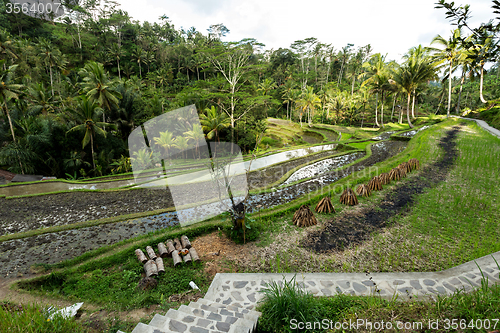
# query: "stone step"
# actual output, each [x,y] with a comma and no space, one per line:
[221,308]
[143,328]
[231,307]
[179,321]
[228,317]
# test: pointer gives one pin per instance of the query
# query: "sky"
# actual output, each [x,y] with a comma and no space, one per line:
[390,26]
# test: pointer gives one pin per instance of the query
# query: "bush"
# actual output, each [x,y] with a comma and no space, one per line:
[284,302]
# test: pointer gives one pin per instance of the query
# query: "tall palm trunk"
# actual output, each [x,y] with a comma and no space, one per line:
[376,112]
[393,105]
[119,75]
[481,84]
[92,148]
[408,110]
[449,92]
[413,104]
[51,81]
[382,112]
[10,122]
[460,93]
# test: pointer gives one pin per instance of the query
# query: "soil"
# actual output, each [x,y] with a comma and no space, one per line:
[17,256]
[356,226]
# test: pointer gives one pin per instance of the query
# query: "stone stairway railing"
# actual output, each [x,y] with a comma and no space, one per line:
[229,303]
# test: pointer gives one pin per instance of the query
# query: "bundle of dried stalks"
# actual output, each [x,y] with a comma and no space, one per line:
[405,166]
[348,197]
[303,217]
[363,190]
[394,174]
[414,164]
[403,169]
[325,205]
[375,184]
[384,178]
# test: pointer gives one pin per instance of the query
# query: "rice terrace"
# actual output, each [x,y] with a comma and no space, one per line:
[155,179]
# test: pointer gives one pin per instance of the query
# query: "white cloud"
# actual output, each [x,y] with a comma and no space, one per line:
[390,26]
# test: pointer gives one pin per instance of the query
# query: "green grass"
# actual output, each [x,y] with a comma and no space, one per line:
[361,145]
[115,287]
[280,305]
[452,223]
[31,319]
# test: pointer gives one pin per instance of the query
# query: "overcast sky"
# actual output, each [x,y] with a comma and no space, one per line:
[390,26]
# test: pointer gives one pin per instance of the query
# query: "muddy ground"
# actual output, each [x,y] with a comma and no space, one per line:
[356,226]
[23,214]
[17,256]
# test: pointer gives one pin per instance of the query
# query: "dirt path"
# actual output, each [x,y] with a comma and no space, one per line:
[356,226]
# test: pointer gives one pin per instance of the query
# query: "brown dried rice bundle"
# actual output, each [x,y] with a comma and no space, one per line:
[394,174]
[348,197]
[325,205]
[375,184]
[303,217]
[384,178]
[363,190]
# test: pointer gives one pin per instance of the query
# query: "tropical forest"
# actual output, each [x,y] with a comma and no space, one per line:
[276,190]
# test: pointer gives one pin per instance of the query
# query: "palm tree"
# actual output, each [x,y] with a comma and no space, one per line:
[213,122]
[417,68]
[450,52]
[287,96]
[41,102]
[86,113]
[116,52]
[166,141]
[6,48]
[33,138]
[52,57]
[98,88]
[140,57]
[309,102]
[181,143]
[485,48]
[195,135]
[375,68]
[265,88]
[8,91]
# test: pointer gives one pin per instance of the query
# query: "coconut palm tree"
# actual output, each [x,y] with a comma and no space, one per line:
[213,122]
[417,68]
[41,103]
[8,90]
[32,141]
[181,143]
[51,57]
[86,114]
[449,52]
[165,140]
[485,48]
[98,87]
[309,102]
[374,68]
[195,135]
[140,57]
[287,96]
[115,52]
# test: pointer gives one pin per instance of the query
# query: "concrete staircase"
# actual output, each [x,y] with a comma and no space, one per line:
[202,316]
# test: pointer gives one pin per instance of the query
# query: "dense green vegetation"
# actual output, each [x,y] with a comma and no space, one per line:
[73,90]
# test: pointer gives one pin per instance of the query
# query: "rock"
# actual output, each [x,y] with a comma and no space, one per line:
[147,283]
